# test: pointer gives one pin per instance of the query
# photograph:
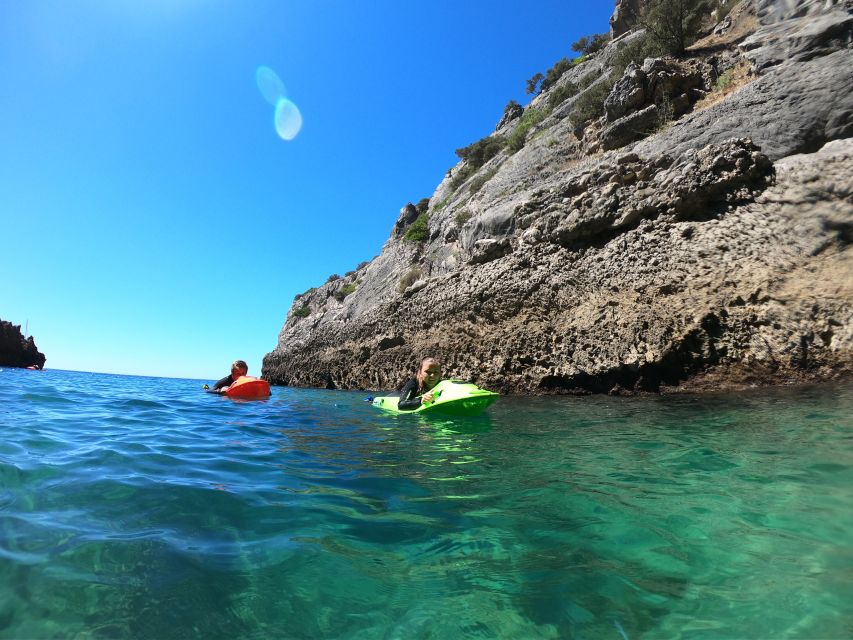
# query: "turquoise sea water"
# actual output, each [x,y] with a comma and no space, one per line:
[142,508]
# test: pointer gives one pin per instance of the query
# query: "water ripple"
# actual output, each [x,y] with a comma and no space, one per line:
[143,508]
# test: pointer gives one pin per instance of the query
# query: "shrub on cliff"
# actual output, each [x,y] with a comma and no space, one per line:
[635,51]
[344,291]
[304,293]
[302,312]
[409,279]
[673,24]
[479,153]
[587,45]
[418,231]
[533,83]
[476,155]
[460,177]
[561,94]
[518,136]
[590,104]
[555,73]
[462,217]
[478,182]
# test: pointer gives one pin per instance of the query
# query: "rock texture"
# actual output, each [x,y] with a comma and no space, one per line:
[624,17]
[708,252]
[17,351]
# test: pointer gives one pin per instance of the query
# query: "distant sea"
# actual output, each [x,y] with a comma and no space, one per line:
[135,507]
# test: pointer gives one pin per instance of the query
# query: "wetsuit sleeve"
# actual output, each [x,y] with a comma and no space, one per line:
[225,382]
[409,398]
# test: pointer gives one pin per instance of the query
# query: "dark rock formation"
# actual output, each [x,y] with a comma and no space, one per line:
[646,98]
[624,17]
[512,112]
[17,351]
[713,252]
[408,215]
[628,128]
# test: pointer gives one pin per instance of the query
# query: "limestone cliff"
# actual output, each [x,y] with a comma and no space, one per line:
[17,351]
[645,223]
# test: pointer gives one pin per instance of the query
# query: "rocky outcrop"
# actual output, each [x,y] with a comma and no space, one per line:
[799,39]
[17,351]
[624,17]
[408,215]
[706,252]
[513,111]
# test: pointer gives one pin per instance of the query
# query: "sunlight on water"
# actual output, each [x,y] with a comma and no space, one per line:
[144,508]
[288,119]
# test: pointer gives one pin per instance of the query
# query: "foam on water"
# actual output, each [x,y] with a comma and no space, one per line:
[144,508]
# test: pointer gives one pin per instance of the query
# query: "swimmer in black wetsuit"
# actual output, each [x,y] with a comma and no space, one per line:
[239,368]
[417,389]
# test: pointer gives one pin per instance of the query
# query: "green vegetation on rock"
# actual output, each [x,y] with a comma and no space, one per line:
[531,117]
[478,182]
[590,104]
[345,290]
[555,73]
[587,45]
[476,155]
[479,153]
[409,279]
[561,94]
[418,231]
[463,216]
[533,83]
[673,24]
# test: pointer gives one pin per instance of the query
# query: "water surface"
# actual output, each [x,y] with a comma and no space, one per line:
[142,508]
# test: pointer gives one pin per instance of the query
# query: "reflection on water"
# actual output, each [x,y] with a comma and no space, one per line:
[143,508]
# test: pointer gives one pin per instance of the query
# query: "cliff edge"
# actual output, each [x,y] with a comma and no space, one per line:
[647,222]
[17,351]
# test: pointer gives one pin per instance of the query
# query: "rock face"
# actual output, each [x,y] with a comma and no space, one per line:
[15,350]
[624,17]
[706,252]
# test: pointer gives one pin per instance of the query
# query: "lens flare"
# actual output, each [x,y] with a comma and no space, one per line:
[288,120]
[270,85]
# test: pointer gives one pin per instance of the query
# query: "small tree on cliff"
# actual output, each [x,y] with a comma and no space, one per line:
[533,83]
[587,45]
[672,24]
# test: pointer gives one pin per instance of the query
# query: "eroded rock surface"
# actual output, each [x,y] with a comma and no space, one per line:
[714,252]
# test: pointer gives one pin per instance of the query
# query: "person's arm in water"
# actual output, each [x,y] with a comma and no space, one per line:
[409,398]
[225,382]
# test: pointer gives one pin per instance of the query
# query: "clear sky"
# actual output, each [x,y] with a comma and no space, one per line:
[153,221]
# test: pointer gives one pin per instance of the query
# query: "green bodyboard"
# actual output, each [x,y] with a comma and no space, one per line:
[453,397]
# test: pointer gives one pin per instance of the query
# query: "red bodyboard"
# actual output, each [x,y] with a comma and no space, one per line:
[247,387]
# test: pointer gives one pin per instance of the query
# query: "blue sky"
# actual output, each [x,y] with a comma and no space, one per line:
[155,224]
